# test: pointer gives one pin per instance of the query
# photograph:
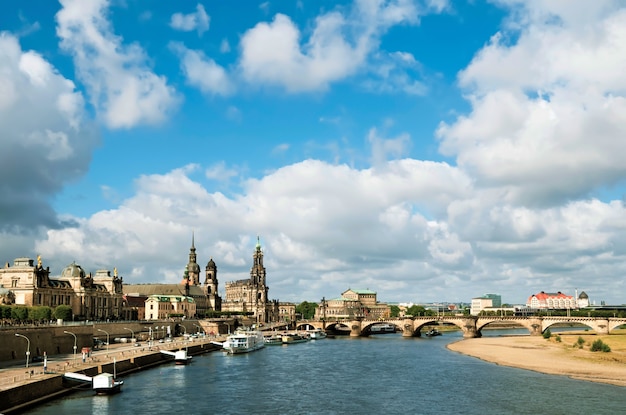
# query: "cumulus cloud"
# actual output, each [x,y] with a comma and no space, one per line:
[339,46]
[548,115]
[202,71]
[46,139]
[198,21]
[121,85]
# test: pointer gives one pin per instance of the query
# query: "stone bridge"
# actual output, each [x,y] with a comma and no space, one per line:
[470,325]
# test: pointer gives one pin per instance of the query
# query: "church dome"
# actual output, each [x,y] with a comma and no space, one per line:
[73,271]
[210,264]
[193,267]
[583,296]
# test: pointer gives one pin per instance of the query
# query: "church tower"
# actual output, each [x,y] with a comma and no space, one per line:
[210,285]
[192,267]
[257,282]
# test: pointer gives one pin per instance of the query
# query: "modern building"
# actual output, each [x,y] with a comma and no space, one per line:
[487,301]
[250,296]
[353,304]
[91,297]
[551,301]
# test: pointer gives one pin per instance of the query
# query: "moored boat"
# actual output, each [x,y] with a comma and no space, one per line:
[317,334]
[291,338]
[383,328]
[274,340]
[106,384]
[180,356]
[244,341]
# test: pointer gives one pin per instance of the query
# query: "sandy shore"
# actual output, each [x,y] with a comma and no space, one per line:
[552,356]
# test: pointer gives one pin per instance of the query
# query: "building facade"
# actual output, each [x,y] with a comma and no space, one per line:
[91,297]
[205,296]
[250,296]
[162,307]
[551,301]
[353,304]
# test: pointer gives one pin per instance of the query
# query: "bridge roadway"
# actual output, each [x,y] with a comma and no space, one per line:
[471,325]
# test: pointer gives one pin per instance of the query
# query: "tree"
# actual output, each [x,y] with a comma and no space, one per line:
[418,310]
[306,309]
[395,311]
[19,314]
[39,313]
[63,312]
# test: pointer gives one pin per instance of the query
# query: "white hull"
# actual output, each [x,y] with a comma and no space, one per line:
[244,342]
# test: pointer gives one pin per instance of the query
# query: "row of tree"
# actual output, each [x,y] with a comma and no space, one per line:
[16,314]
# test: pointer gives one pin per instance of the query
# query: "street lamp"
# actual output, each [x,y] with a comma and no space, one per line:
[69,332]
[27,347]
[107,337]
[132,335]
[199,328]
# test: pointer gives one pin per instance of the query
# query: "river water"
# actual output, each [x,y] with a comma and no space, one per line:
[382,374]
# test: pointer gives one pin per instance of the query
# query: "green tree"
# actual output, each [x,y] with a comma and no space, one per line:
[418,310]
[306,309]
[63,312]
[395,311]
[19,314]
[39,313]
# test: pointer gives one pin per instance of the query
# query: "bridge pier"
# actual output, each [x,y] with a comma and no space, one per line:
[470,331]
[355,328]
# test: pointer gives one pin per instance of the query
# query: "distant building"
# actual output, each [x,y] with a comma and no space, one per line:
[91,297]
[205,296]
[162,307]
[353,304]
[551,301]
[583,300]
[251,295]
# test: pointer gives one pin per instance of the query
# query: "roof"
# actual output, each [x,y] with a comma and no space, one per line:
[544,295]
[160,289]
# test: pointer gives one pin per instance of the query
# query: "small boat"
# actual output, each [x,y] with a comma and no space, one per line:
[274,340]
[291,338]
[317,334]
[382,328]
[180,356]
[433,333]
[244,341]
[106,384]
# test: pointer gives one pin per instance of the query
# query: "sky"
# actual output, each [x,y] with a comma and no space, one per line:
[428,150]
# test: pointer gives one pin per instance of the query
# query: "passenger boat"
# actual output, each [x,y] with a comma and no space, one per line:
[317,334]
[291,338]
[244,341]
[274,340]
[382,328]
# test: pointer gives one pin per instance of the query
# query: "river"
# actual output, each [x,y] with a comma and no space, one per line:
[382,374]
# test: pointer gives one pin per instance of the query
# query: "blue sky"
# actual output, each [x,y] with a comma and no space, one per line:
[428,150]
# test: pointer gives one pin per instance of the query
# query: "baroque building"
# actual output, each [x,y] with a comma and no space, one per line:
[90,297]
[202,299]
[353,304]
[250,296]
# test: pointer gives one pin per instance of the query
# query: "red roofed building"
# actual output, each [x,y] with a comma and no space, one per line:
[552,301]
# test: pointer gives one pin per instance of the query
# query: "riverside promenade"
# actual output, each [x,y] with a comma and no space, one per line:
[22,387]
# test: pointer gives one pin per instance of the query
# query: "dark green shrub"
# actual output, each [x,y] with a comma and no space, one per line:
[600,346]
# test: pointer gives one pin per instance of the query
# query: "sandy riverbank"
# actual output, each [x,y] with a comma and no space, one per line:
[552,356]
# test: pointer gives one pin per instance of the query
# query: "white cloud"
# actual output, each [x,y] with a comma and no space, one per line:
[118,77]
[548,116]
[338,47]
[198,21]
[203,72]
[46,139]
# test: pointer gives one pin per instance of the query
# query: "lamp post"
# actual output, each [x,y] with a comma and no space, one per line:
[132,335]
[105,332]
[69,332]
[199,328]
[27,347]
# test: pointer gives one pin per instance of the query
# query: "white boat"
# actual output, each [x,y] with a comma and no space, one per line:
[180,356]
[383,328]
[102,384]
[244,341]
[106,384]
[317,334]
